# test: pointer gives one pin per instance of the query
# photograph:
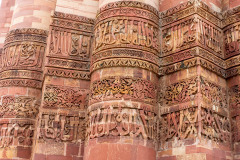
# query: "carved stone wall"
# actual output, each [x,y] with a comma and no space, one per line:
[194,119]
[62,120]
[232,51]
[144,80]
[21,76]
[124,66]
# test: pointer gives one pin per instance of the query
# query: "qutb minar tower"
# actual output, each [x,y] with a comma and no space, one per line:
[120,80]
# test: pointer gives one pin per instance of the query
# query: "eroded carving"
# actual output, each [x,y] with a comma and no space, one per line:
[62,128]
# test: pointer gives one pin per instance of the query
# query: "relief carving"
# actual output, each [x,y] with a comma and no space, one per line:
[24,49]
[232,38]
[187,123]
[179,92]
[179,36]
[16,134]
[126,32]
[181,124]
[67,44]
[19,107]
[125,62]
[65,97]
[121,121]
[61,128]
[214,126]
[213,93]
[123,87]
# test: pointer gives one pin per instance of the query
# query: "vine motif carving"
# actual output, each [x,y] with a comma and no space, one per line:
[68,64]
[213,93]
[21,82]
[178,66]
[123,87]
[21,74]
[19,107]
[65,97]
[116,53]
[178,92]
[68,73]
[122,4]
[72,17]
[124,62]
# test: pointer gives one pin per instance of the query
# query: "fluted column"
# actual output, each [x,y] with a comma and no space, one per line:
[21,76]
[124,74]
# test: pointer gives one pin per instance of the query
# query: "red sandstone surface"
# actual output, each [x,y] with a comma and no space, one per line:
[119,80]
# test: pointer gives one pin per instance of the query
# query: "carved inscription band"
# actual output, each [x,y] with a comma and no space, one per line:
[23,52]
[126,34]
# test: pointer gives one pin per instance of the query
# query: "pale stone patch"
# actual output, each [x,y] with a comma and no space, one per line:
[179,151]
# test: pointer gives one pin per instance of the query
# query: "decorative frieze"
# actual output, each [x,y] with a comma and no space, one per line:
[65,97]
[126,88]
[178,92]
[22,56]
[70,46]
[19,107]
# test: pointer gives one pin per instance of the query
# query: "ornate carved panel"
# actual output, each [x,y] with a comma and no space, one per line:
[24,49]
[19,107]
[179,92]
[181,124]
[128,33]
[21,59]
[122,120]
[61,128]
[213,94]
[231,40]
[123,88]
[16,133]
[187,124]
[190,32]
[65,97]
[70,46]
